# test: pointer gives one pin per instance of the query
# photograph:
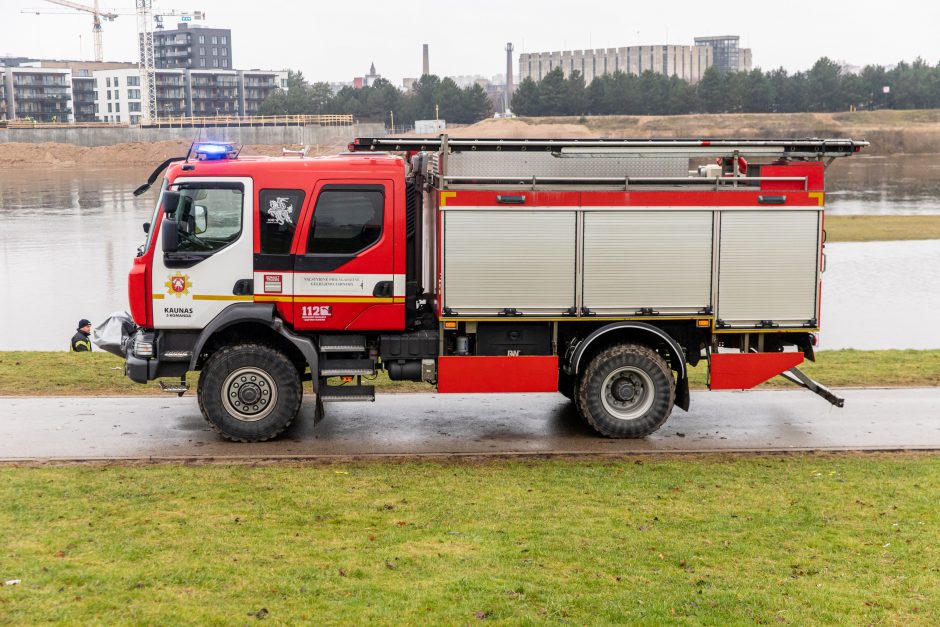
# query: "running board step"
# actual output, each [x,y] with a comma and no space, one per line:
[346,367]
[347,393]
[342,343]
[174,388]
[799,377]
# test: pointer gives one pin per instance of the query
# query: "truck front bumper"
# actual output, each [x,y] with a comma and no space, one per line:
[140,369]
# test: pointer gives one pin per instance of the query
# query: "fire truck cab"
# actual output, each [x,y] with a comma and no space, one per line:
[600,269]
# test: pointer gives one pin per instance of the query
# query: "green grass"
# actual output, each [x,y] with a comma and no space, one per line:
[881,228]
[101,374]
[772,540]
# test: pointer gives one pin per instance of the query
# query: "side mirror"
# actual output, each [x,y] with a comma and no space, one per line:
[171,201]
[146,227]
[200,219]
[171,236]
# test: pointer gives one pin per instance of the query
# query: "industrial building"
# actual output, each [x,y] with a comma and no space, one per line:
[687,62]
[727,54]
[200,93]
[193,47]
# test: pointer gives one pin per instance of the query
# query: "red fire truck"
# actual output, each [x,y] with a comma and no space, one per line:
[601,269]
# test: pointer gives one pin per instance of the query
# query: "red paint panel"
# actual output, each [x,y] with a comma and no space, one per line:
[741,371]
[472,198]
[532,373]
[814,172]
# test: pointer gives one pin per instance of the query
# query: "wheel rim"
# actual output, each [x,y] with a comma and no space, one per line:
[249,394]
[627,393]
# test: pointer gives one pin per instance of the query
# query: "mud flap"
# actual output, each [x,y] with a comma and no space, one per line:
[795,375]
[682,394]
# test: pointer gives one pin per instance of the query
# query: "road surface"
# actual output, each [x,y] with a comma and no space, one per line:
[168,428]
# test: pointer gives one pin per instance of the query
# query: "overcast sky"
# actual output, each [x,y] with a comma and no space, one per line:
[335,41]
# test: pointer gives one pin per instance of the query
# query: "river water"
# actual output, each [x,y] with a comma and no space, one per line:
[68,237]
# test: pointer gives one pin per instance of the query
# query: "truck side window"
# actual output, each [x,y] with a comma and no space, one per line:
[219,210]
[278,212]
[347,220]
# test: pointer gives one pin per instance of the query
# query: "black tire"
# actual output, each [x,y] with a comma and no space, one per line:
[566,385]
[249,392]
[627,391]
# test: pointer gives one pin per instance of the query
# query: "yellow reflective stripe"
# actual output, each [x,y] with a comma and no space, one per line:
[158,296]
[219,297]
[264,298]
[819,196]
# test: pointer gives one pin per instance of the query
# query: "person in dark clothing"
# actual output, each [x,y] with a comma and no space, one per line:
[80,341]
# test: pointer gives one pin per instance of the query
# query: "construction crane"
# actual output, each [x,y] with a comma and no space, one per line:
[145,22]
[97,15]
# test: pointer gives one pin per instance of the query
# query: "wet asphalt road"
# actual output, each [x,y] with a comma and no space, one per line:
[168,428]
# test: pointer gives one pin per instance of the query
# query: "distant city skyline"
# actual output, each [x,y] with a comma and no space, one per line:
[333,43]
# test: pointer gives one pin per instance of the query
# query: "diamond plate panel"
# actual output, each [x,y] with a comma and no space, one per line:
[544,164]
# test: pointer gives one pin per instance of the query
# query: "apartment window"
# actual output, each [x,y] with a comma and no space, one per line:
[215,39]
[202,51]
[215,52]
[133,107]
[202,63]
[96,107]
[109,108]
[133,93]
[109,94]
[225,63]
[116,83]
[135,119]
[109,83]
[202,39]
[117,94]
[215,63]
[133,81]
[223,39]
[224,52]
[117,107]
[94,95]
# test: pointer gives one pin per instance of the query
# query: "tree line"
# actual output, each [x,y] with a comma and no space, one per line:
[822,88]
[430,97]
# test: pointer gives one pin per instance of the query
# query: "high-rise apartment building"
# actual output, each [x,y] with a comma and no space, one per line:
[193,47]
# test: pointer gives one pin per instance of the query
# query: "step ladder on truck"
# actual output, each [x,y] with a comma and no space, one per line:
[598,268]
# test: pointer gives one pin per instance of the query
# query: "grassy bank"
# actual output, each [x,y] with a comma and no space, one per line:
[784,540]
[102,374]
[881,228]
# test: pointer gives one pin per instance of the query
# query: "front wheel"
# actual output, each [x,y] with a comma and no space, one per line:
[627,391]
[249,392]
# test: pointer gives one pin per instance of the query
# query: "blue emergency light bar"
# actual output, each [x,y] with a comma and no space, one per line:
[215,151]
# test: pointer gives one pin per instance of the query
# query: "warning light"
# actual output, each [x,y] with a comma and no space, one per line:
[703,323]
[212,151]
[450,325]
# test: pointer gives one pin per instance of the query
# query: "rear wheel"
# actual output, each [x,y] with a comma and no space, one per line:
[249,392]
[626,391]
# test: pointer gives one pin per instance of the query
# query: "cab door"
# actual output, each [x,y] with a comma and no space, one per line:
[212,266]
[344,260]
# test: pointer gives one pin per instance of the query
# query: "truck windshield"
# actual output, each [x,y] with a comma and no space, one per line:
[153,221]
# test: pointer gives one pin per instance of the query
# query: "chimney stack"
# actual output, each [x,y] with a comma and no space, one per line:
[426,67]
[509,81]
